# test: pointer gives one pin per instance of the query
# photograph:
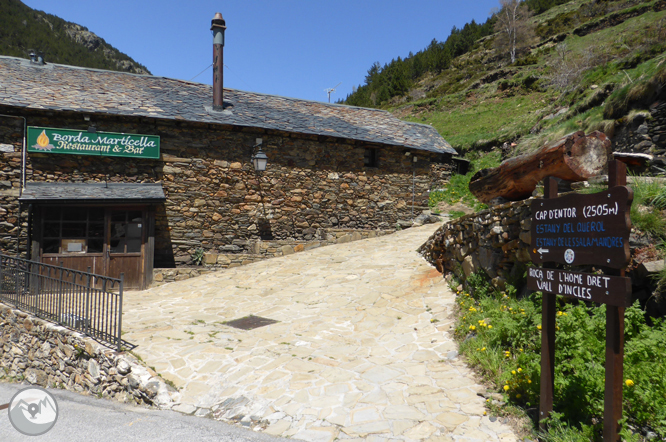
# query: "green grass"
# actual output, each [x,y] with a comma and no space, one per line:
[649,201]
[507,109]
[500,337]
[468,121]
[457,189]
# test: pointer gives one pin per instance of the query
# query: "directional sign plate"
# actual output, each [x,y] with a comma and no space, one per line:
[604,289]
[583,229]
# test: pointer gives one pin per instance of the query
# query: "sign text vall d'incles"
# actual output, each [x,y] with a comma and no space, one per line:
[604,289]
[79,142]
[582,229]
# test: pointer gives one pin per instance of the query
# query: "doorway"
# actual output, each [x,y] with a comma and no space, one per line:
[103,240]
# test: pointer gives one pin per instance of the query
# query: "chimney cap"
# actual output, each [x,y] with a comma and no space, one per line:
[218,22]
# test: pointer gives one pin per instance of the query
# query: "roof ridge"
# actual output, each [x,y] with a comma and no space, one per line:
[180,80]
[81,89]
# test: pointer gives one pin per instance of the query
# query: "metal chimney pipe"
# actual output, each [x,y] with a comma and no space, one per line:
[218,26]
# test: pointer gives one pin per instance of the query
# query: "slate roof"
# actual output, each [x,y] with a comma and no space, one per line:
[88,192]
[61,87]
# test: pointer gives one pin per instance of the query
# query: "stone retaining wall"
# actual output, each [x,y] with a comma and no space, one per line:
[645,134]
[495,240]
[52,356]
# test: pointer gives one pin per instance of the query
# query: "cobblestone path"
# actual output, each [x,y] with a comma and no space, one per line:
[362,349]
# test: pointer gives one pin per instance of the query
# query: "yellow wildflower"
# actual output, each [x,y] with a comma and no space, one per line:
[506,388]
[629,383]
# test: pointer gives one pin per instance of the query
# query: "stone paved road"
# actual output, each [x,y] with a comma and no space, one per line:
[362,349]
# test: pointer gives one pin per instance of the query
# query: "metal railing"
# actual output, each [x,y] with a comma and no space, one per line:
[83,301]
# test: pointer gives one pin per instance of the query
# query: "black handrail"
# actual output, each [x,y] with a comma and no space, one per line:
[83,301]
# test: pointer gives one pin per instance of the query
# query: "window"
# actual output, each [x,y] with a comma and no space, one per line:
[370,157]
[72,230]
[126,232]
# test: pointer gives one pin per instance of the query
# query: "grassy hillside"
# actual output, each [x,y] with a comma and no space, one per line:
[23,28]
[582,52]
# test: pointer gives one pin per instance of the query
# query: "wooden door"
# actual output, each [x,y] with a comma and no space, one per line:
[125,246]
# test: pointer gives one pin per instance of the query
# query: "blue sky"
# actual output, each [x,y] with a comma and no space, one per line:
[293,48]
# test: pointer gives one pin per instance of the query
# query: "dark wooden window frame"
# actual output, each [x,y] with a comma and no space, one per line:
[93,229]
[371,157]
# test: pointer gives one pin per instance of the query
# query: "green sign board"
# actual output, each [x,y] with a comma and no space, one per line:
[80,142]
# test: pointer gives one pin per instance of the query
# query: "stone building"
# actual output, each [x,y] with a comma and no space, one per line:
[77,189]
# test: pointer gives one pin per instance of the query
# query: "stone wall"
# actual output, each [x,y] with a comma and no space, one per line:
[52,356]
[645,134]
[494,240]
[215,200]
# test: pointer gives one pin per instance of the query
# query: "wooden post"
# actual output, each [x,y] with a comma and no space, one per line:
[547,334]
[617,176]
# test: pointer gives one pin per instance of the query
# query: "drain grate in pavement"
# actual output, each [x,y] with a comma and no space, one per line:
[250,322]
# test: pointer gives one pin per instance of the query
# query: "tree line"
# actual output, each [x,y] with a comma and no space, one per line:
[396,77]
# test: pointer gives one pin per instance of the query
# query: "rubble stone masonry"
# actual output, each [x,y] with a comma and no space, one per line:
[215,200]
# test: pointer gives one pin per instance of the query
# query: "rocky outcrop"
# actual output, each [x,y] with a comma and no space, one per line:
[93,42]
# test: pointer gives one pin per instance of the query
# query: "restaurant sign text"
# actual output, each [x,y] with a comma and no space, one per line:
[80,142]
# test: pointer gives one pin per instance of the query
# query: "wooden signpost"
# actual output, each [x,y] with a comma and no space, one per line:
[575,230]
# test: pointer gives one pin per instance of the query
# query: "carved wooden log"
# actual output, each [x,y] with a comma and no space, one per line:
[575,157]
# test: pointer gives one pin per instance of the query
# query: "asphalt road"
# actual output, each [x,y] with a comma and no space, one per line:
[87,418]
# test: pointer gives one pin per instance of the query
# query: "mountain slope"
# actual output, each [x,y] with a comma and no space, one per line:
[23,28]
[583,53]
